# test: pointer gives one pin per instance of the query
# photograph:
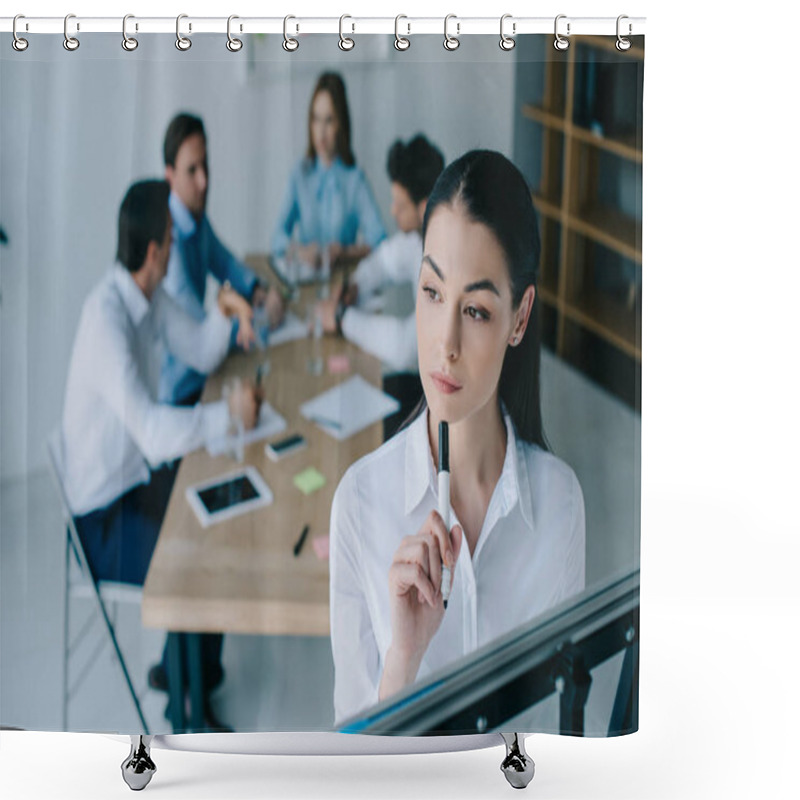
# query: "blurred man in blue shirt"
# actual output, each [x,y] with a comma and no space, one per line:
[196,252]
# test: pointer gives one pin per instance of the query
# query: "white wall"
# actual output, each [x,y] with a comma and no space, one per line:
[77,128]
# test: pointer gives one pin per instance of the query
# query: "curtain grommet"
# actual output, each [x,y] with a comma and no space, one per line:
[71,43]
[183,43]
[451,43]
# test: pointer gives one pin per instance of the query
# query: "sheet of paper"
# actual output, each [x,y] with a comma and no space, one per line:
[290,329]
[270,422]
[309,480]
[349,407]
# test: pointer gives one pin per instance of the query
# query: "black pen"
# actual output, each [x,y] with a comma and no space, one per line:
[444,500]
[301,541]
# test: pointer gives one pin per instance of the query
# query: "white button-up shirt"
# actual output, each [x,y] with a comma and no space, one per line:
[113,426]
[391,339]
[530,555]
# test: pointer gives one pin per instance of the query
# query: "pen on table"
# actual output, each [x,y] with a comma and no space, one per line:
[444,500]
[301,541]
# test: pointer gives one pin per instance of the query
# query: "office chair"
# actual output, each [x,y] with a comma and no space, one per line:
[79,582]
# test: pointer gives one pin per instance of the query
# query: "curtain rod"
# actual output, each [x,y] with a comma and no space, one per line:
[347,25]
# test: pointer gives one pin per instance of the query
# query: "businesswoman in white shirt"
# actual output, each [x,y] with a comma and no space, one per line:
[516,546]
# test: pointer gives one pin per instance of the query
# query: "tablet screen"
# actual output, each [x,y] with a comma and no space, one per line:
[229,493]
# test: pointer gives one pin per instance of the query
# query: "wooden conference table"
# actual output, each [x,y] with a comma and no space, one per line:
[241,575]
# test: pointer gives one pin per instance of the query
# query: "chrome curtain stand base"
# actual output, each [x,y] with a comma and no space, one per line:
[138,768]
[517,766]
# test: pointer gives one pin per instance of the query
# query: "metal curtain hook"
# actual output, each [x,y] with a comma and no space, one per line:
[623,44]
[18,43]
[181,42]
[507,42]
[290,44]
[128,42]
[400,42]
[70,42]
[345,43]
[451,42]
[561,43]
[233,44]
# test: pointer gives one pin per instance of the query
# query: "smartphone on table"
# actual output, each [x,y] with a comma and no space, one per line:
[283,447]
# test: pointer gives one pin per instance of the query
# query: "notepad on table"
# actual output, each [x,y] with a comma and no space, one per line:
[322,547]
[349,407]
[270,422]
[309,480]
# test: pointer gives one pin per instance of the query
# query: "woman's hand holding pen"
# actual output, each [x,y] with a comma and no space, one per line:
[417,609]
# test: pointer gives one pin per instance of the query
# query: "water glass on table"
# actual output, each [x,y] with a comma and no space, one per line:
[261,325]
[315,331]
[234,435]
[324,289]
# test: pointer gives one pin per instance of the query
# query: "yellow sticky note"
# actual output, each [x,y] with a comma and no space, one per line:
[309,480]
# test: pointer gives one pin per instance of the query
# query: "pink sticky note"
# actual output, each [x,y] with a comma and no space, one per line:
[322,547]
[338,364]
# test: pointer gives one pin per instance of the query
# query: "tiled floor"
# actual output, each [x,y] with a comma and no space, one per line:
[279,683]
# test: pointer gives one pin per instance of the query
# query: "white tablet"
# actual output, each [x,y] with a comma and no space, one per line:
[228,496]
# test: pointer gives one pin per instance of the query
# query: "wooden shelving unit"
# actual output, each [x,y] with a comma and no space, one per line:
[589,121]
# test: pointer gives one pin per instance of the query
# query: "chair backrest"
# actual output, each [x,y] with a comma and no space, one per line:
[110,590]
[55,453]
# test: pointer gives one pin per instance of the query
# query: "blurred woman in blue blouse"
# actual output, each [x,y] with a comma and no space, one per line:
[328,200]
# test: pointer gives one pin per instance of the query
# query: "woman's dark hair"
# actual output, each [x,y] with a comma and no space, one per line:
[415,166]
[332,83]
[492,191]
[179,130]
[143,219]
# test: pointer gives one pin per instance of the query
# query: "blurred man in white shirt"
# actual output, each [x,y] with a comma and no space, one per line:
[413,168]
[118,440]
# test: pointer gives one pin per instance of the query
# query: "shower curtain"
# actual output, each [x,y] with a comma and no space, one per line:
[237,300]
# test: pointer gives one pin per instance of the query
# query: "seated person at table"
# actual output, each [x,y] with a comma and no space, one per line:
[118,439]
[413,169]
[196,252]
[515,544]
[328,198]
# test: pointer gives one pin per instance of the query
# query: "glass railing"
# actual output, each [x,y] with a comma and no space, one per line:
[555,654]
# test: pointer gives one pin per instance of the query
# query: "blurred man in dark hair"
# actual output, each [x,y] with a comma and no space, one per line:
[413,168]
[120,442]
[197,252]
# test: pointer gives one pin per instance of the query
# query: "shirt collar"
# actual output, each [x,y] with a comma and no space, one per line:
[134,300]
[321,168]
[329,176]
[420,473]
[517,488]
[182,219]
